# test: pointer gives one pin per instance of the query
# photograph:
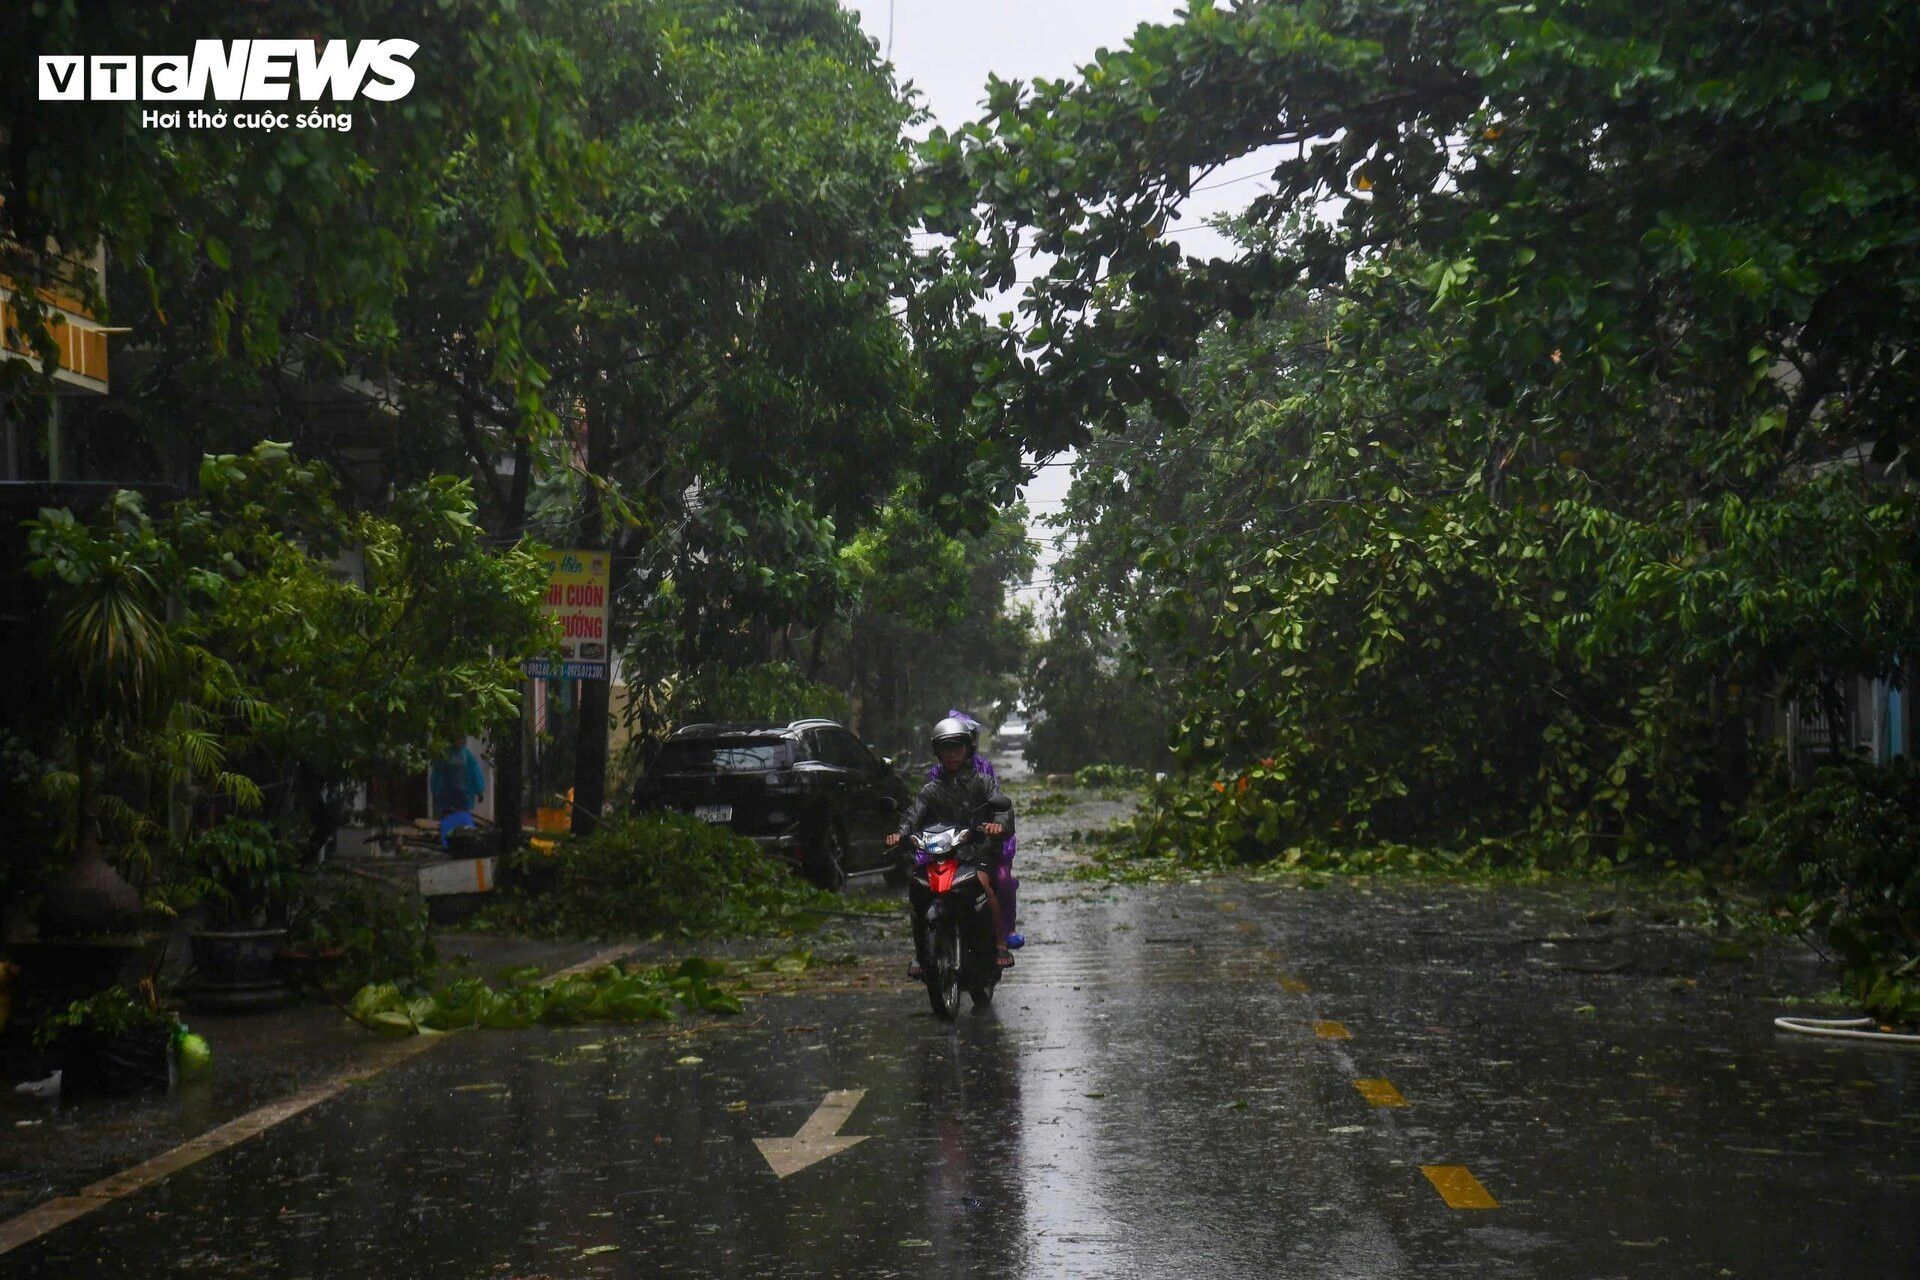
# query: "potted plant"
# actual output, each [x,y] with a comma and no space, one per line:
[108,752]
[314,949]
[113,1042]
[349,932]
[114,674]
[246,878]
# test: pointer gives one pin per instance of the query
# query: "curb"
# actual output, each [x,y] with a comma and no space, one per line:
[42,1218]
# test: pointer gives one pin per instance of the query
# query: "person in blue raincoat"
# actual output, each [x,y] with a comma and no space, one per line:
[456,780]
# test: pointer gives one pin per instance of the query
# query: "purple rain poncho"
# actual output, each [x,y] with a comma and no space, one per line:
[1005,885]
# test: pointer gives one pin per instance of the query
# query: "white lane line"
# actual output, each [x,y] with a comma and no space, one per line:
[42,1218]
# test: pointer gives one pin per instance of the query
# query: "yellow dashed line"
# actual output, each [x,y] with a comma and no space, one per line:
[1331,1031]
[1380,1093]
[1294,985]
[1460,1189]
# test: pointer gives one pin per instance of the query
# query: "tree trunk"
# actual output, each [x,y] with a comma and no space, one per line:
[856,669]
[590,760]
[1733,728]
[509,748]
[815,651]
[510,741]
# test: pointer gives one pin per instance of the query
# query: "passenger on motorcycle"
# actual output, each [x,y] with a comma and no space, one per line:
[1005,886]
[955,797]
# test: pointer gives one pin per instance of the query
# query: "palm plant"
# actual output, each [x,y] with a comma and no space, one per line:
[120,671]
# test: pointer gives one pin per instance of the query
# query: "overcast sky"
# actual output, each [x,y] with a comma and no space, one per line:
[946,48]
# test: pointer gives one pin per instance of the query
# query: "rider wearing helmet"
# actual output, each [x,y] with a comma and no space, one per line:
[955,796]
[1006,886]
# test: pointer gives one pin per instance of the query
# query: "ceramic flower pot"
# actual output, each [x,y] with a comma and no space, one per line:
[234,970]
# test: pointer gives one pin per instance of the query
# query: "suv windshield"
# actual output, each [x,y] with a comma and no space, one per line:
[725,755]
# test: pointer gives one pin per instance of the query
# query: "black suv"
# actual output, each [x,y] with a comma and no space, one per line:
[809,791]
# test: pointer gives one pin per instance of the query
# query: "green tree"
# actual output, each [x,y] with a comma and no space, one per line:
[723,330]
[885,628]
[117,670]
[1604,302]
[933,625]
[371,639]
[1090,703]
[237,240]
[637,260]
[257,646]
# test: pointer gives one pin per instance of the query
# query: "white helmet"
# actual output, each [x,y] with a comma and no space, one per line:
[951,729]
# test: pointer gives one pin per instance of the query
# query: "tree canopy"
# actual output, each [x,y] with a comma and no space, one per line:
[1579,175]
[258,646]
[639,270]
[1542,422]
[241,240]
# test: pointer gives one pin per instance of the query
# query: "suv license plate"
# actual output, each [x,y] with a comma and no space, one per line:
[713,812]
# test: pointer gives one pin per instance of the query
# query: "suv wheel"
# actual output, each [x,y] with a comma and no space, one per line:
[826,862]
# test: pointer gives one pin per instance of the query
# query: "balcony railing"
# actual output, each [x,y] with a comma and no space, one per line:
[80,341]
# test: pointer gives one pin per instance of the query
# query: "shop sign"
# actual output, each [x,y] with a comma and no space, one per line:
[577,596]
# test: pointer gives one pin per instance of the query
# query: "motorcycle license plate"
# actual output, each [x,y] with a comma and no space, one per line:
[713,812]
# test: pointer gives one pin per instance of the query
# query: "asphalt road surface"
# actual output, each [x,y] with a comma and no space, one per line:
[1216,1078]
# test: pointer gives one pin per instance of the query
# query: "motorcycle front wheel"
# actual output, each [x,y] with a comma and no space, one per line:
[943,970]
[982,971]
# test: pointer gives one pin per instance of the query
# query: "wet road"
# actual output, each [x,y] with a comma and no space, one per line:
[1219,1078]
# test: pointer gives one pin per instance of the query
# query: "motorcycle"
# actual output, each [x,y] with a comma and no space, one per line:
[949,901]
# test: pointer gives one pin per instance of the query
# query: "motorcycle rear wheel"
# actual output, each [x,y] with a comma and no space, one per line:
[943,971]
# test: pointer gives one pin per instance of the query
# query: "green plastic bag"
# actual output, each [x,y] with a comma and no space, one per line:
[192,1053]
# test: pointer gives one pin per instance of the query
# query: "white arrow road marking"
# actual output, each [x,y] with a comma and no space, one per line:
[818,1137]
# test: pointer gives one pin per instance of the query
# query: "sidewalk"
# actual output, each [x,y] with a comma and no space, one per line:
[53,1149]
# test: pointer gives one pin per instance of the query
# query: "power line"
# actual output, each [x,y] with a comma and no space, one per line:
[1191,226]
[1260,176]
[1228,182]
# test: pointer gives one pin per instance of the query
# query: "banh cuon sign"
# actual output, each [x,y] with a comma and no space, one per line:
[577,596]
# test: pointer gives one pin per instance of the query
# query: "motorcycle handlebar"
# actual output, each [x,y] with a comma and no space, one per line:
[973,833]
[920,855]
